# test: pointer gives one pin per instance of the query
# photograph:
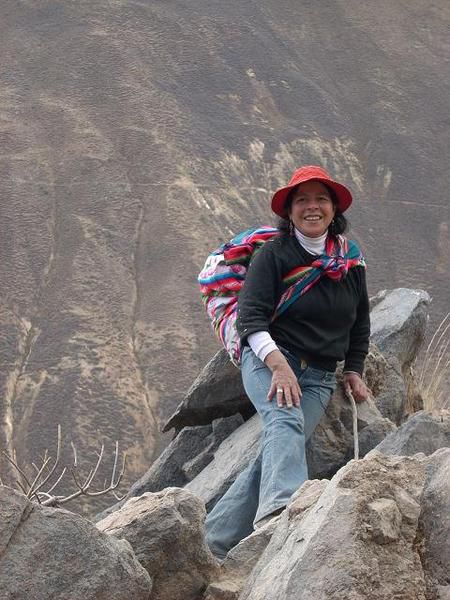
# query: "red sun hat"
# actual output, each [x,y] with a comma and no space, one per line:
[308,173]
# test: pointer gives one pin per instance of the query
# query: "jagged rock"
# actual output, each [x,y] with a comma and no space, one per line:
[331,445]
[388,386]
[329,448]
[217,392]
[398,323]
[232,456]
[422,432]
[166,532]
[53,553]
[238,564]
[191,450]
[346,544]
[435,523]
[221,429]
[374,434]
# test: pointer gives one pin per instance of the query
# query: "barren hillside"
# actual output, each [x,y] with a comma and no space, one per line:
[135,135]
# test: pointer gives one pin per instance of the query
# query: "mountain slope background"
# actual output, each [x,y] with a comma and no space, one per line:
[137,135]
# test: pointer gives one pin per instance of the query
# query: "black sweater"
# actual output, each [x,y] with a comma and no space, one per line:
[328,323]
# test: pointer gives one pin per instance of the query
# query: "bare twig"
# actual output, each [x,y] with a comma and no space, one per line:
[63,472]
[33,489]
[74,450]
[13,461]
[58,453]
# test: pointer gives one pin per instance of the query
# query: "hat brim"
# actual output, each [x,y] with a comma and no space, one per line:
[343,195]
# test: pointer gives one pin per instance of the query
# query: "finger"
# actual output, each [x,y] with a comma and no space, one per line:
[271,393]
[359,392]
[362,394]
[288,398]
[280,395]
[296,395]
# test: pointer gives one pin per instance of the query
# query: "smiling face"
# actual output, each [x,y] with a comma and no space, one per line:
[312,208]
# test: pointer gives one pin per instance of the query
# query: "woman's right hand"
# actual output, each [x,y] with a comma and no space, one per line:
[284,386]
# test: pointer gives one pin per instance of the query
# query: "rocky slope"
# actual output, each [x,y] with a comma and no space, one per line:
[377,527]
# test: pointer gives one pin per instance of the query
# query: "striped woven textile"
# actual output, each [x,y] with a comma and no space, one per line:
[225,269]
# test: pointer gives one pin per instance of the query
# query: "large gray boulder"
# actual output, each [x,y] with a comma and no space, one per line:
[232,456]
[398,321]
[357,541]
[216,392]
[388,385]
[332,443]
[378,520]
[53,554]
[166,532]
[422,432]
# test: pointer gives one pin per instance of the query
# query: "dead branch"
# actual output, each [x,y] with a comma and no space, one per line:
[34,488]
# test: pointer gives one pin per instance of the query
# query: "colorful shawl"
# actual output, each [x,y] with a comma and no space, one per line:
[223,276]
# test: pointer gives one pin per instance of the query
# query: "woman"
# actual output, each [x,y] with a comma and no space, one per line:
[289,362]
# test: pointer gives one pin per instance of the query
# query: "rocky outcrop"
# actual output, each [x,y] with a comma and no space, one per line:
[375,528]
[379,529]
[166,532]
[422,432]
[345,545]
[50,553]
[232,456]
[183,459]
[216,392]
[200,458]
[331,445]
[398,322]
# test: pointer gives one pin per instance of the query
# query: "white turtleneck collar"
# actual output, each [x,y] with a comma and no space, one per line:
[314,245]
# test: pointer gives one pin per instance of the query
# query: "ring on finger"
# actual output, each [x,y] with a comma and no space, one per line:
[279,390]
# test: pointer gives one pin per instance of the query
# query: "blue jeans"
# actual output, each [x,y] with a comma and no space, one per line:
[280,468]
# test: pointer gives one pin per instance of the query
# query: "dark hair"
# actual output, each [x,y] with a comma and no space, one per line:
[337,226]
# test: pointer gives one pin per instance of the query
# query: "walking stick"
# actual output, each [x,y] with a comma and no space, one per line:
[355,423]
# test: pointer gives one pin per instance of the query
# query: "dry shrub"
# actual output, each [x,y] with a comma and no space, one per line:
[433,376]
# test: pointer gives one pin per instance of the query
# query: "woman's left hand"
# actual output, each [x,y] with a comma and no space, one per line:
[356,385]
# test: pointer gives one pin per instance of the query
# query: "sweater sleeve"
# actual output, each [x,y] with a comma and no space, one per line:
[360,332]
[260,292]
